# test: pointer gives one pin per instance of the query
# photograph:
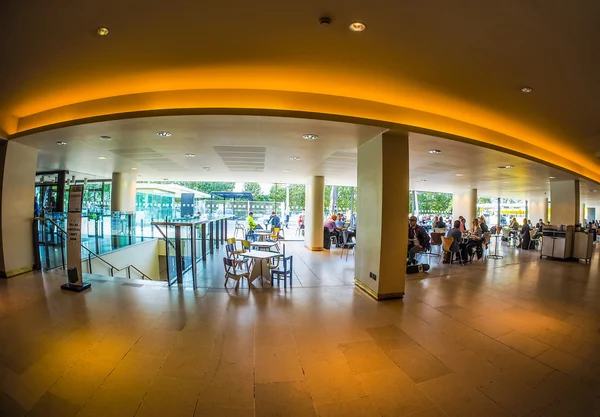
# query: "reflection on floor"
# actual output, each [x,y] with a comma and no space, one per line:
[517,336]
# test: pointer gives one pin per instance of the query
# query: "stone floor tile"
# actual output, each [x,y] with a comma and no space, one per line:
[284,399]
[418,363]
[366,357]
[170,397]
[524,344]
[278,364]
[51,405]
[360,407]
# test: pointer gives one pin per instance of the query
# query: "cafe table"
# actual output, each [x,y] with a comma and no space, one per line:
[262,235]
[495,254]
[264,245]
[259,267]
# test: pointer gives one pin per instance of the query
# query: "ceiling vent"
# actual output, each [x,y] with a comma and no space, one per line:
[243,158]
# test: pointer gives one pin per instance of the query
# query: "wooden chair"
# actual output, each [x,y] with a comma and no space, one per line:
[235,271]
[436,241]
[347,245]
[233,241]
[284,272]
[447,248]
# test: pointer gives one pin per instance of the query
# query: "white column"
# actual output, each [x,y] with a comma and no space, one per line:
[122,195]
[583,215]
[19,163]
[564,197]
[538,209]
[464,203]
[382,227]
[313,222]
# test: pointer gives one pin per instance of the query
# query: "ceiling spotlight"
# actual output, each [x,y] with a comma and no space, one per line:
[163,134]
[103,31]
[459,175]
[286,170]
[295,158]
[434,151]
[103,137]
[506,182]
[526,89]
[61,143]
[357,26]
[594,191]
[206,168]
[423,180]
[506,167]
[551,178]
[134,169]
[190,155]
[102,157]
[310,136]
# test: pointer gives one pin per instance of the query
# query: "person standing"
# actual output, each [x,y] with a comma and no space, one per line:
[274,221]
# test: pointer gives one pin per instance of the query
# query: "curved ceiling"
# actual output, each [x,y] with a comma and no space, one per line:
[453,67]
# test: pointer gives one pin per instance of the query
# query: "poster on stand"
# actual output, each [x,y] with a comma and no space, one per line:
[74,274]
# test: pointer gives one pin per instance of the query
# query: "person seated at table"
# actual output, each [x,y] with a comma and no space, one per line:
[483,225]
[252,225]
[440,224]
[418,240]
[524,236]
[463,224]
[475,243]
[457,235]
[328,229]
[514,224]
[539,227]
[274,221]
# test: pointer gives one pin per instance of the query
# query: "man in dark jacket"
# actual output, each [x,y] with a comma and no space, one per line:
[418,240]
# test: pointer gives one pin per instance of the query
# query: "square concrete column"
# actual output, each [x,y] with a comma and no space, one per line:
[564,197]
[382,216]
[314,206]
[464,203]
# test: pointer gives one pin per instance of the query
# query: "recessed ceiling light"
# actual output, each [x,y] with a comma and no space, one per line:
[310,136]
[434,151]
[165,179]
[357,26]
[190,155]
[551,178]
[506,167]
[295,158]
[206,168]
[61,143]
[102,157]
[286,170]
[104,137]
[139,175]
[526,89]
[134,168]
[163,133]
[103,31]
[594,191]
[423,180]
[459,175]
[506,182]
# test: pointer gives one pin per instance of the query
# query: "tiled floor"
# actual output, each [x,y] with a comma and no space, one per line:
[517,336]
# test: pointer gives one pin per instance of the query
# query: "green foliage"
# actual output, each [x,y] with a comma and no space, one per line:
[434,202]
[254,188]
[485,200]
[277,193]
[207,187]
[297,195]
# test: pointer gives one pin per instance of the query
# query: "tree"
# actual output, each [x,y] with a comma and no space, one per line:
[345,198]
[434,202]
[297,196]
[277,193]
[254,188]
[484,200]
[207,187]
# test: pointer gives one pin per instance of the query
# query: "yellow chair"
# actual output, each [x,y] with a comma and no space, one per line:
[235,251]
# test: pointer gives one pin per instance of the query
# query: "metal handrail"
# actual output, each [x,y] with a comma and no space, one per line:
[90,252]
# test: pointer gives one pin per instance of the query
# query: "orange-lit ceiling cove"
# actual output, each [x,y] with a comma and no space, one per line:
[456,69]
